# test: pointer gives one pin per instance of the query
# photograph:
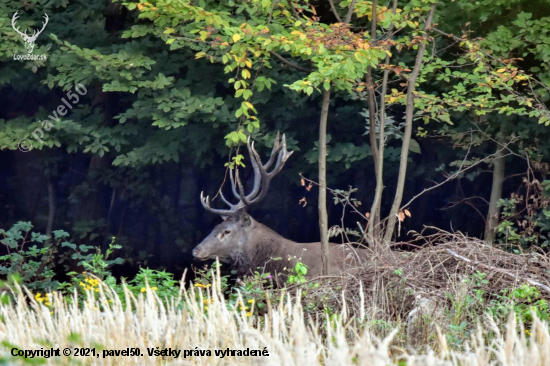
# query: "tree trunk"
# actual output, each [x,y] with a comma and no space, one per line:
[375,214]
[409,114]
[493,215]
[370,97]
[323,216]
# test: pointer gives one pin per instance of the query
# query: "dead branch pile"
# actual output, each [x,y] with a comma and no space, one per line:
[393,281]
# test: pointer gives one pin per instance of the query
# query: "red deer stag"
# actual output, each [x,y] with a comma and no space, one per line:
[248,245]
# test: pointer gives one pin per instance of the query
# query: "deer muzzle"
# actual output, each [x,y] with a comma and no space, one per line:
[199,254]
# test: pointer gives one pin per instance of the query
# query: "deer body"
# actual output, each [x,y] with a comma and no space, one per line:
[256,247]
[248,245]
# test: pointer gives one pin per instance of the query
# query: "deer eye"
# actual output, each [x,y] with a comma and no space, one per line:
[227,232]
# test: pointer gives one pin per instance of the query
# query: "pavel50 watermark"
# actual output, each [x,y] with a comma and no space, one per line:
[25,144]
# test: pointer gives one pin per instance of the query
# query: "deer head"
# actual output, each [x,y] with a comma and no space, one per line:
[227,239]
[29,40]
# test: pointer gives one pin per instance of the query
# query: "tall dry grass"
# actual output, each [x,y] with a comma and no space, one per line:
[284,332]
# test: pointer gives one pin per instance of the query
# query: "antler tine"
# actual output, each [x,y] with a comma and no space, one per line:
[234,211]
[283,156]
[243,197]
[13,19]
[225,200]
[44,24]
[256,166]
[233,189]
[274,151]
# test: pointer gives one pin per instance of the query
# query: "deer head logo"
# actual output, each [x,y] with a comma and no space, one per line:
[29,40]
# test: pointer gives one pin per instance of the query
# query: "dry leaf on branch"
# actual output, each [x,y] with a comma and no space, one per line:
[401,216]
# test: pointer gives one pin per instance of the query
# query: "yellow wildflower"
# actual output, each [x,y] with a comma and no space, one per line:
[143,289]
[248,313]
[154,288]
[250,301]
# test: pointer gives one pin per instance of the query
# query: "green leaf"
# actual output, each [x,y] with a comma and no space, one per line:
[414,147]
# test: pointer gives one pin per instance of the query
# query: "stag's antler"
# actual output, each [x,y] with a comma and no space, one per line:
[13,19]
[262,179]
[36,34]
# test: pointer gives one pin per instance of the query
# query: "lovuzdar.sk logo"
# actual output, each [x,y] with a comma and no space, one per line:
[29,39]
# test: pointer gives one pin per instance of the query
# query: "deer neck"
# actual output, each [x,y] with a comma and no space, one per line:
[263,244]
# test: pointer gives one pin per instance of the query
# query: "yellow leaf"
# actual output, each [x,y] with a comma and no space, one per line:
[246,74]
[500,71]
[139,6]
[248,64]
[236,37]
[249,105]
[200,55]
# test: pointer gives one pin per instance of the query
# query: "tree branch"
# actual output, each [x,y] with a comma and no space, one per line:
[293,9]
[500,270]
[285,61]
[334,11]
[350,12]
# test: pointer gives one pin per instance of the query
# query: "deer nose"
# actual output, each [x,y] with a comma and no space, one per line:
[196,252]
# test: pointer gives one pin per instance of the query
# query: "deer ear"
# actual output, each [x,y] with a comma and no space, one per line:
[245,219]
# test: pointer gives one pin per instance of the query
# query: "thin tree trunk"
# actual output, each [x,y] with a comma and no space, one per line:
[409,114]
[493,215]
[323,215]
[370,97]
[374,227]
[51,206]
